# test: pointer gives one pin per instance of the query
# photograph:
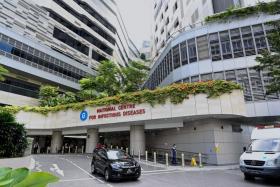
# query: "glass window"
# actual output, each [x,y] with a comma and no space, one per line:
[260,38]
[170,64]
[230,76]
[202,47]
[176,57]
[218,76]
[206,77]
[184,53]
[192,50]
[215,47]
[226,46]
[243,80]
[248,41]
[195,79]
[257,86]
[267,79]
[269,29]
[5,47]
[236,43]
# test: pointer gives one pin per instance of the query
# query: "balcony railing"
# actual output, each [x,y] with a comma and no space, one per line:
[18,90]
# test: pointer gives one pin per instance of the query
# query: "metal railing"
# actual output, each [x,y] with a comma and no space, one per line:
[18,90]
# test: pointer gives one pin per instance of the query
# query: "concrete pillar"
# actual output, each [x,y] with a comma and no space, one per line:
[92,140]
[137,140]
[57,140]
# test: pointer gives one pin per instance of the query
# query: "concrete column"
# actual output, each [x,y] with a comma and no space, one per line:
[137,139]
[57,140]
[92,140]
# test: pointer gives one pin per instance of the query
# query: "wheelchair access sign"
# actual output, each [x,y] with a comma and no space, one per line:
[84,115]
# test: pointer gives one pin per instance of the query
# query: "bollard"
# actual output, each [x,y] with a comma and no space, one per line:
[166,159]
[111,146]
[117,147]
[82,149]
[139,155]
[76,149]
[200,160]
[146,156]
[121,148]
[69,150]
[62,151]
[183,160]
[155,158]
[126,150]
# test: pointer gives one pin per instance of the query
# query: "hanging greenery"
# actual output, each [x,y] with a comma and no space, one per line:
[262,7]
[177,93]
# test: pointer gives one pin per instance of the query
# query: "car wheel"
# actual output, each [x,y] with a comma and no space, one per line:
[93,170]
[107,175]
[248,177]
[135,178]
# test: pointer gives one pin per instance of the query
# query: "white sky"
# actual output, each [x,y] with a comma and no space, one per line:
[138,18]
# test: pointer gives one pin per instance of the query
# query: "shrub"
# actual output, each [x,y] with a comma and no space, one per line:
[12,137]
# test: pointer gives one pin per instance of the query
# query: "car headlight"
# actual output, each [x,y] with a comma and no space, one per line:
[241,163]
[137,164]
[116,166]
[271,162]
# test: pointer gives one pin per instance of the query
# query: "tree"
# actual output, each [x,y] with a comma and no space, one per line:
[50,96]
[270,61]
[134,76]
[13,136]
[106,83]
[3,71]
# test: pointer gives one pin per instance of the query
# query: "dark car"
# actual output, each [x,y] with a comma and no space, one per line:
[115,164]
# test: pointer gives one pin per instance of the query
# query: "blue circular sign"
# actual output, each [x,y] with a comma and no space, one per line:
[84,115]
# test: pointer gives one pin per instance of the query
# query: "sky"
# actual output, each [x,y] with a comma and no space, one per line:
[138,18]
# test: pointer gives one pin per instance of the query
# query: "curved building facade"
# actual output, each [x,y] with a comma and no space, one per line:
[224,51]
[56,42]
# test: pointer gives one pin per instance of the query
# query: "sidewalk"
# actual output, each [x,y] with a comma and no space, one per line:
[189,168]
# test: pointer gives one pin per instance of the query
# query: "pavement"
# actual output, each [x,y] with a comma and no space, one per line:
[74,171]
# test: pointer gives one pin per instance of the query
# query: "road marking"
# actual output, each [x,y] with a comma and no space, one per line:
[82,179]
[166,170]
[99,180]
[159,173]
[56,169]
[37,166]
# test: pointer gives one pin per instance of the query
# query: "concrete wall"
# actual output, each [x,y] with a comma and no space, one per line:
[8,98]
[199,105]
[212,137]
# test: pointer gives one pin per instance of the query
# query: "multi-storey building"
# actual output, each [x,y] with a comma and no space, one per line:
[174,16]
[222,50]
[58,42]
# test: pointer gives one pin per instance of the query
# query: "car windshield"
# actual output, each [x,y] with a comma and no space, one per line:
[116,155]
[271,145]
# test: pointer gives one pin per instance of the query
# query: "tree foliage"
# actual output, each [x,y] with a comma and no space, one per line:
[3,71]
[50,96]
[12,136]
[270,61]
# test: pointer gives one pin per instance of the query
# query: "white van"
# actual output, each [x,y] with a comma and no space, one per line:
[262,158]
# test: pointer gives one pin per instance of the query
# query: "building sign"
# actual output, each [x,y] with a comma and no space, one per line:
[114,111]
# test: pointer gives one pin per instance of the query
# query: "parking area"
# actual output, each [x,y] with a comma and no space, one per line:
[74,171]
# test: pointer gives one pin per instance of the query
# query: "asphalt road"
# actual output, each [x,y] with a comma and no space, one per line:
[74,171]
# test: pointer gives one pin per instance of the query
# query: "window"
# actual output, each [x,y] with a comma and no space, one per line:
[167,21]
[225,44]
[156,28]
[170,61]
[267,79]
[236,43]
[260,39]
[206,77]
[96,56]
[202,47]
[269,29]
[230,76]
[184,53]
[175,7]
[166,8]
[218,76]
[65,38]
[256,83]
[192,50]
[162,30]
[176,57]
[195,79]
[215,47]
[248,41]
[176,24]
[243,80]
